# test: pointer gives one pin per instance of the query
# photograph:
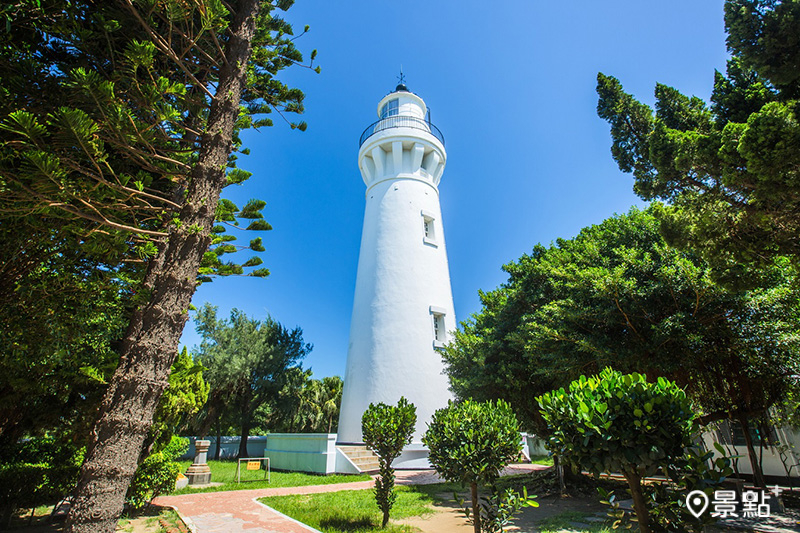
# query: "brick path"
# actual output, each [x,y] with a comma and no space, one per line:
[239,510]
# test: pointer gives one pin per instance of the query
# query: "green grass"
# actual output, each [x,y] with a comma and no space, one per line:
[356,511]
[225,472]
[564,521]
[542,460]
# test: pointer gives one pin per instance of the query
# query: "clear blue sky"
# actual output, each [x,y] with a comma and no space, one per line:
[511,84]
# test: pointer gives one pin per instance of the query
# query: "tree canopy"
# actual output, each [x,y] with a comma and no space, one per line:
[617,295]
[248,363]
[728,169]
[119,120]
[616,422]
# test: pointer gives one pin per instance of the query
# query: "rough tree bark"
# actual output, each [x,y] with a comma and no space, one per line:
[151,341]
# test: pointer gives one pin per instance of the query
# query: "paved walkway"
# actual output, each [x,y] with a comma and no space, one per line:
[239,510]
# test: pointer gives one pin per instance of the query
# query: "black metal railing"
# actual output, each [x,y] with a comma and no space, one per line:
[400,121]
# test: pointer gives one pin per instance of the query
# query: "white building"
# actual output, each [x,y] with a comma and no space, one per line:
[403,304]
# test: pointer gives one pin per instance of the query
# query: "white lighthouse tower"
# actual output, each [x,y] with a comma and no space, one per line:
[403,305]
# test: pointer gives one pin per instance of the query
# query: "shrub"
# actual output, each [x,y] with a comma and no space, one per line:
[156,474]
[470,443]
[386,429]
[619,423]
[35,472]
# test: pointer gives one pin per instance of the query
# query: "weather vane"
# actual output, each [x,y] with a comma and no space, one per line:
[402,77]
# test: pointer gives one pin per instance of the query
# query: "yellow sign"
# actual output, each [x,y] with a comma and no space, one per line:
[253,465]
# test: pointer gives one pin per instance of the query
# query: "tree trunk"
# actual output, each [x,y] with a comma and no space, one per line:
[635,484]
[151,341]
[243,453]
[476,508]
[219,439]
[758,474]
[559,468]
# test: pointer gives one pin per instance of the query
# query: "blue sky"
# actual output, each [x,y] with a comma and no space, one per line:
[511,85]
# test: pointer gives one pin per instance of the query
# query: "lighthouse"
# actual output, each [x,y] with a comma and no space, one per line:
[403,303]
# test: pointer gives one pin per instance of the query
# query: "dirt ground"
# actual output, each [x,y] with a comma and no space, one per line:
[450,519]
[147,523]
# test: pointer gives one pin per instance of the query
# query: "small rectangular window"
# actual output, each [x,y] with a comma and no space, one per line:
[428,228]
[439,329]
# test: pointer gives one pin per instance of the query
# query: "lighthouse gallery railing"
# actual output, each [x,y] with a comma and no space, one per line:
[400,121]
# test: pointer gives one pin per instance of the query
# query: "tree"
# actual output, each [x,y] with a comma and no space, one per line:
[320,401]
[121,120]
[617,295]
[386,429]
[248,361]
[329,398]
[185,396]
[286,414]
[728,170]
[306,405]
[471,442]
[62,318]
[619,423]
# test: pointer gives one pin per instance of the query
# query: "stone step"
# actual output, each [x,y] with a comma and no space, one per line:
[360,461]
[362,457]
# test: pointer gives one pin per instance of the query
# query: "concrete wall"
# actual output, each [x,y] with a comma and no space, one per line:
[299,452]
[230,447]
[302,452]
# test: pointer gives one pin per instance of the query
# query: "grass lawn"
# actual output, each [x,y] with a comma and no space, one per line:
[355,511]
[542,460]
[225,472]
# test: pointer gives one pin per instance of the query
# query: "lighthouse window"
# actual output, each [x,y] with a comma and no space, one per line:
[428,228]
[439,332]
[390,109]
[438,327]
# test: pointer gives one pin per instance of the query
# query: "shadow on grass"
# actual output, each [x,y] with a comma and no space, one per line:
[345,524]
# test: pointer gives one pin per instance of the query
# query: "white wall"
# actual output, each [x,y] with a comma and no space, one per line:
[302,452]
[772,463]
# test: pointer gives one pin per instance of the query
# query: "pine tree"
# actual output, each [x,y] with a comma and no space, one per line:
[119,123]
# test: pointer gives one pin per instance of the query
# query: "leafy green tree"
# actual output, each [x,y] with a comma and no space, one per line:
[617,295]
[62,318]
[120,120]
[185,396]
[157,474]
[247,363]
[320,404]
[36,471]
[306,405]
[619,423]
[471,442]
[728,169]
[386,429]
[329,398]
